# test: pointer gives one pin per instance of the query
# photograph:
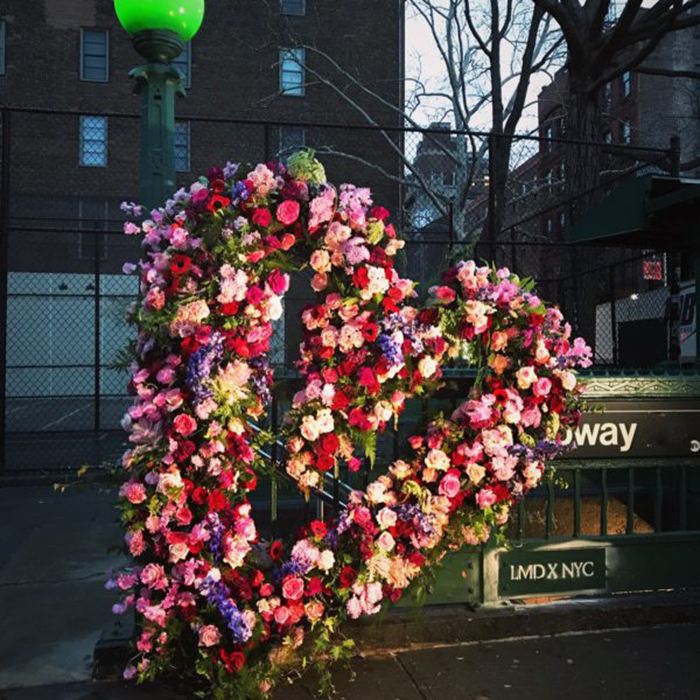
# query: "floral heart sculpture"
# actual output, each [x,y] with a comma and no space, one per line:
[214,601]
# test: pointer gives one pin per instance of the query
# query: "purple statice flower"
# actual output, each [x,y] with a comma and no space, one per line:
[218,594]
[216,532]
[200,366]
[239,193]
[293,567]
[262,378]
[230,169]
[407,511]
[390,349]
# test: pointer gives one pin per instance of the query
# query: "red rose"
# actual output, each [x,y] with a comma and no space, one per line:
[230,309]
[340,401]
[330,443]
[262,217]
[347,577]
[379,213]
[189,345]
[185,424]
[361,278]
[318,527]
[314,587]
[199,495]
[276,550]
[293,588]
[370,331]
[217,500]
[288,212]
[325,463]
[234,661]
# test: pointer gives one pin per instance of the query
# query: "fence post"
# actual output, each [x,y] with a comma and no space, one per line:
[98,335]
[4,251]
[266,142]
[613,315]
[450,231]
[674,156]
[492,199]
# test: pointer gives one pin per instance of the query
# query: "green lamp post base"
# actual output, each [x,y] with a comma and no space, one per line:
[158,82]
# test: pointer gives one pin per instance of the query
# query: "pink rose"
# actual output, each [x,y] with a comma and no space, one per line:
[542,386]
[208,636]
[450,484]
[485,498]
[282,615]
[262,217]
[185,424]
[153,576]
[279,283]
[288,212]
[293,588]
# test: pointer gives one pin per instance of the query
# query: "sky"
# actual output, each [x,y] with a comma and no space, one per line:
[423,59]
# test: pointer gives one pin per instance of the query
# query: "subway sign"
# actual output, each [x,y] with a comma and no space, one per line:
[640,428]
[523,573]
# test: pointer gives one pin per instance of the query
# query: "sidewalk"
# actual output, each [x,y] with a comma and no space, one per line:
[638,664]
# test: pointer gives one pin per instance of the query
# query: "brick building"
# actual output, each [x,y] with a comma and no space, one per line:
[74,155]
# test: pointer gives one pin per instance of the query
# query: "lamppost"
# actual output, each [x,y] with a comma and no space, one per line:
[159,30]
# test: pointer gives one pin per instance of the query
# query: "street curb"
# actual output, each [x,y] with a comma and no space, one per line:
[404,629]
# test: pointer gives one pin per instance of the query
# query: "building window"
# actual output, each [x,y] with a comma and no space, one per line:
[94,55]
[626,132]
[607,95]
[183,65]
[2,48]
[292,72]
[607,137]
[549,226]
[297,8]
[182,147]
[626,83]
[547,134]
[93,141]
[290,141]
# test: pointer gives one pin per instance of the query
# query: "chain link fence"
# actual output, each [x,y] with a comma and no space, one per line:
[64,175]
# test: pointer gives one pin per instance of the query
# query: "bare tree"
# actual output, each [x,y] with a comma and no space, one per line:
[601,47]
[487,52]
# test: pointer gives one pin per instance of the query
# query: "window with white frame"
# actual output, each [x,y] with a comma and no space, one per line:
[626,83]
[291,140]
[94,55]
[2,48]
[182,147]
[93,141]
[626,132]
[183,65]
[296,8]
[292,71]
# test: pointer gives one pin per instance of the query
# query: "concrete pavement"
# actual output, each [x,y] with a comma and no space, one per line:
[636,664]
[52,573]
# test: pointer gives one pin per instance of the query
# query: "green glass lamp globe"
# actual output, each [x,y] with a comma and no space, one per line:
[183,17]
